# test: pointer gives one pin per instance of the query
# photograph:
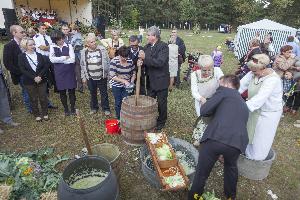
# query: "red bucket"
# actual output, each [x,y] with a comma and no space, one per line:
[112,126]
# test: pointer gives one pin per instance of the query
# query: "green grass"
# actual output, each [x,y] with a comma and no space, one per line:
[64,135]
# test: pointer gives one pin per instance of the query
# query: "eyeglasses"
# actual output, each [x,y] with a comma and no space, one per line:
[134,45]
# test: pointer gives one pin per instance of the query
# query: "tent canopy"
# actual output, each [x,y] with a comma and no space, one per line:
[266,24]
[247,32]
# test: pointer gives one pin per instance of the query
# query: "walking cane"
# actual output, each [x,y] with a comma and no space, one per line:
[84,135]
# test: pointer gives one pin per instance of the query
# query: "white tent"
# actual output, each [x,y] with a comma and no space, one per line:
[247,32]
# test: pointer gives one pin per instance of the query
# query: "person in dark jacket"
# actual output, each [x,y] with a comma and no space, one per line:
[156,60]
[181,54]
[34,67]
[225,135]
[134,56]
[10,59]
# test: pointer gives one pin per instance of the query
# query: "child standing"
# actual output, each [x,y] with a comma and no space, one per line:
[287,83]
[217,56]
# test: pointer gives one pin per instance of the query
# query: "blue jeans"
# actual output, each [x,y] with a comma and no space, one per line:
[5,115]
[25,96]
[119,93]
[93,85]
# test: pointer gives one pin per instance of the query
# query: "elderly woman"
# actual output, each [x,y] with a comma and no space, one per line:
[265,106]
[94,70]
[205,81]
[285,60]
[113,44]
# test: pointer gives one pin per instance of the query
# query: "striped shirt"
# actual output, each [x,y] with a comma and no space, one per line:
[123,72]
[94,64]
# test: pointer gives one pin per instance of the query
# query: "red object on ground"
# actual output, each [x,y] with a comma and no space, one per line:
[112,126]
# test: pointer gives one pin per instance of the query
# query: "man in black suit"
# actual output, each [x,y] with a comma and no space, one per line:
[10,59]
[225,135]
[134,55]
[156,60]
[181,56]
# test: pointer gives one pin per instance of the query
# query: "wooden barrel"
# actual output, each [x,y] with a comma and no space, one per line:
[136,119]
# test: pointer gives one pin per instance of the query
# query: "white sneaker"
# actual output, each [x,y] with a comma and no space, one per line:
[297,122]
[1,131]
[14,124]
[297,125]
[46,118]
[106,112]
[38,119]
[93,112]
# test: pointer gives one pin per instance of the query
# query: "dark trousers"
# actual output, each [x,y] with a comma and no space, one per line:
[293,101]
[38,94]
[162,100]
[209,152]
[119,93]
[64,99]
[177,78]
[78,72]
[93,85]
[25,95]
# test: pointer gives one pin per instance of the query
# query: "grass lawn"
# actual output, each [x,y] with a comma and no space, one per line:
[64,135]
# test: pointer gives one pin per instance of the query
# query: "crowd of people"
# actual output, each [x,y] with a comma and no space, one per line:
[245,125]
[65,61]
[37,15]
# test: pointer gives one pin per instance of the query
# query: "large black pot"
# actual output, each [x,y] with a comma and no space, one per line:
[106,190]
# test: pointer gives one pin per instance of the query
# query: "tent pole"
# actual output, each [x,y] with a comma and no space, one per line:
[50,5]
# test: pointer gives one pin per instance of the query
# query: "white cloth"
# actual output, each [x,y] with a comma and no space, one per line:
[32,60]
[173,59]
[269,97]
[39,40]
[205,89]
[269,100]
[265,131]
[62,59]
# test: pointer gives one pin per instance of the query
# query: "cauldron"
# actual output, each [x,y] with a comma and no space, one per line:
[106,190]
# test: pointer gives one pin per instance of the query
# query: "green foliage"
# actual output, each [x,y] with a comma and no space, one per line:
[132,19]
[211,12]
[31,173]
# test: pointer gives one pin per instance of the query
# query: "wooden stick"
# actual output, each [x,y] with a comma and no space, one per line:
[84,135]
[138,85]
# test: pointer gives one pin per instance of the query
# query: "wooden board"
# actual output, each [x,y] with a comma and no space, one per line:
[165,186]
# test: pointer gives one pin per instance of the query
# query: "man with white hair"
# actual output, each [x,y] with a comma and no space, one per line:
[156,60]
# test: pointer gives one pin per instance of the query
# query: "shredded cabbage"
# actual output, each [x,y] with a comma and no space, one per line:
[164,152]
[174,181]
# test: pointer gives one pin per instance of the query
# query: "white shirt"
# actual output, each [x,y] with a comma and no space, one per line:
[210,89]
[62,59]
[39,40]
[32,60]
[269,96]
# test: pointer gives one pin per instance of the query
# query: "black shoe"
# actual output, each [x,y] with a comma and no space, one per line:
[159,127]
[52,107]
[67,114]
